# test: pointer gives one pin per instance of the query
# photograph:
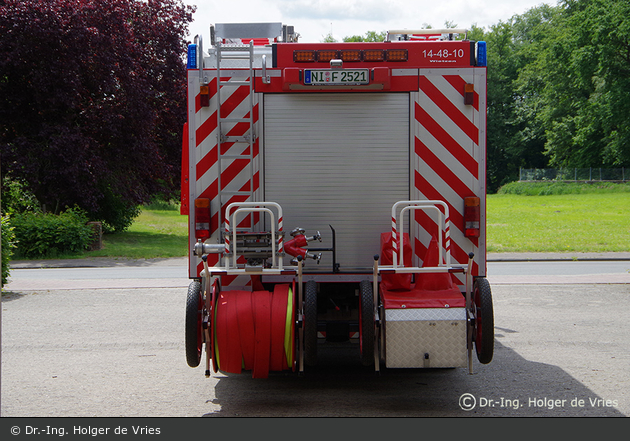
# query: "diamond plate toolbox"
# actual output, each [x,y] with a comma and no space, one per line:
[425,338]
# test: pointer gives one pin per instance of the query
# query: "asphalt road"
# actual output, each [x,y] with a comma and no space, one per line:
[172,273]
[560,351]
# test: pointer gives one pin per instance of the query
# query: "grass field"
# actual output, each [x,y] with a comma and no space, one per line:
[154,233]
[559,223]
[538,217]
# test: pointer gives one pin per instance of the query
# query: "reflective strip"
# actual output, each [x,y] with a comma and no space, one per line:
[449,158]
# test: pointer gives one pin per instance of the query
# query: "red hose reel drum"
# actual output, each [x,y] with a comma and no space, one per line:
[255,331]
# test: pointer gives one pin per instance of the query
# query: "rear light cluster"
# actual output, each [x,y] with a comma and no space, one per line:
[202,218]
[472,216]
[204,95]
[350,55]
[469,94]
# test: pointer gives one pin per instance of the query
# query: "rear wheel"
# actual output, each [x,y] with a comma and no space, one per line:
[484,321]
[310,323]
[194,324]
[366,323]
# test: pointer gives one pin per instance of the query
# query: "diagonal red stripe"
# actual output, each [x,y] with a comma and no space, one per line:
[227,176]
[206,128]
[211,191]
[256,113]
[228,106]
[419,249]
[449,109]
[256,148]
[429,225]
[457,253]
[256,181]
[232,170]
[456,217]
[236,98]
[447,141]
[459,84]
[206,162]
[240,129]
[245,223]
[442,170]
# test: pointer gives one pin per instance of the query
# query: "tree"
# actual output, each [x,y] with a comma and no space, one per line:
[92,99]
[329,38]
[515,137]
[370,36]
[587,71]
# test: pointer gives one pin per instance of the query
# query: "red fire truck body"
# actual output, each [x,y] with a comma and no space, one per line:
[336,198]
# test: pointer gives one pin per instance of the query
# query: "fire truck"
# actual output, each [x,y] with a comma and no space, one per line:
[336,201]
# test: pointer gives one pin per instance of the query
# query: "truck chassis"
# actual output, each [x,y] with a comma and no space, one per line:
[379,149]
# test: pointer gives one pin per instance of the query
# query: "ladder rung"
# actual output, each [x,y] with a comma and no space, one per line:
[235,83]
[234,57]
[239,48]
[248,156]
[236,193]
[235,139]
[235,120]
[244,53]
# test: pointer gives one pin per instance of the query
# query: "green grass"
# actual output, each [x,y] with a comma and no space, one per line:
[576,218]
[588,222]
[154,233]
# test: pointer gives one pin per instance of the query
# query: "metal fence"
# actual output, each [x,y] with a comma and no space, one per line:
[574,174]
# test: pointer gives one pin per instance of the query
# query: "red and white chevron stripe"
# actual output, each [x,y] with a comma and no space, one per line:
[448,157]
[447,141]
[237,173]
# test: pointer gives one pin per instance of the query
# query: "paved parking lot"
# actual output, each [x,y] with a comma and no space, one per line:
[119,352]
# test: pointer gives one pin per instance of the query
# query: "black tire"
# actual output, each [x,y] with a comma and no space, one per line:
[366,323]
[194,324]
[310,323]
[484,322]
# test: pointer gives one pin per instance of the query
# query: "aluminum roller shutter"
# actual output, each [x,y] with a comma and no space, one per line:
[338,159]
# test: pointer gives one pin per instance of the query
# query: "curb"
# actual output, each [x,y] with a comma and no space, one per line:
[557,257]
[105,262]
[98,262]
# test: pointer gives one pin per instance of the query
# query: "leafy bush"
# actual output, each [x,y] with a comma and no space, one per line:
[115,213]
[8,246]
[162,203]
[547,188]
[16,197]
[47,235]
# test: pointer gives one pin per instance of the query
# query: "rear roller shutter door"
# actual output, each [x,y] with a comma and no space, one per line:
[338,159]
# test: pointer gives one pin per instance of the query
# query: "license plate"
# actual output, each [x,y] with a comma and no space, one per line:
[336,77]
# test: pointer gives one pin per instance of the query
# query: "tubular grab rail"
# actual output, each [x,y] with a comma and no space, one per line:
[200,64]
[443,224]
[252,207]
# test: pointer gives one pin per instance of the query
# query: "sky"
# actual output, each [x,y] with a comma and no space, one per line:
[315,19]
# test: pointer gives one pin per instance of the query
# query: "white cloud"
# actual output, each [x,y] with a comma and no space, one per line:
[361,10]
[314,19]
